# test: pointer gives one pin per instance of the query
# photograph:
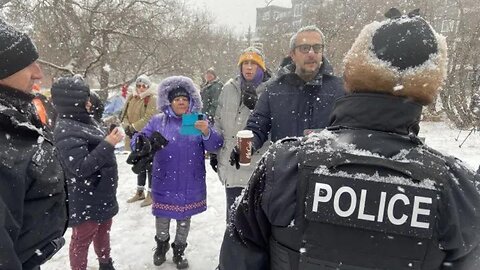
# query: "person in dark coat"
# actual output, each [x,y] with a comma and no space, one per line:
[210,92]
[87,154]
[365,193]
[298,99]
[33,213]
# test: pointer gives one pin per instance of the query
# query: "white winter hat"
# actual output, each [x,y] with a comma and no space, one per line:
[143,79]
[401,56]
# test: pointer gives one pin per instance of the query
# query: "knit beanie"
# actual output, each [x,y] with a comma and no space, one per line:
[402,56]
[252,54]
[17,50]
[177,92]
[70,95]
[143,79]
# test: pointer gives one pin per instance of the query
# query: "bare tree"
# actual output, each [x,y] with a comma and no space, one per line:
[113,41]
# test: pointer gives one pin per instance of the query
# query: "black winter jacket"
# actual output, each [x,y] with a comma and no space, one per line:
[89,160]
[32,185]
[90,168]
[384,126]
[290,105]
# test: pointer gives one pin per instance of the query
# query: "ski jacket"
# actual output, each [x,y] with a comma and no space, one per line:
[231,117]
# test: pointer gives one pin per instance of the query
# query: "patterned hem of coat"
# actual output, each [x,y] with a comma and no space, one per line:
[180,208]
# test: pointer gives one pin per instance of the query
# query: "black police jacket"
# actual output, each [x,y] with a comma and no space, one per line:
[302,212]
[33,213]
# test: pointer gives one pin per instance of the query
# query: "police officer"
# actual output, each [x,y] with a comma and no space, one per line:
[365,193]
[33,213]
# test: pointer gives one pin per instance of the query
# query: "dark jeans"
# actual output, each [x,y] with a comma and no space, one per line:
[232,194]
[142,177]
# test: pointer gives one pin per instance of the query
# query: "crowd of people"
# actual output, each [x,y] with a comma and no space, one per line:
[339,178]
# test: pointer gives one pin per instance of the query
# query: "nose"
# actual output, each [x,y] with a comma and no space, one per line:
[37,73]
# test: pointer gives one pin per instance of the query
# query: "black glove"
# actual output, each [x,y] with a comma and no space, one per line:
[144,164]
[235,157]
[249,99]
[142,145]
[130,131]
[214,162]
[142,149]
[158,141]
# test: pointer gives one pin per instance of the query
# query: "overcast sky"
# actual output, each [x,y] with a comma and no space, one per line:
[235,13]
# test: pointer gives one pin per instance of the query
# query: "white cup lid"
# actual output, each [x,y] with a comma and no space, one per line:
[245,134]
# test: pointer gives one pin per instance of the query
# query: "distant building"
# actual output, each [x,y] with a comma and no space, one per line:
[274,20]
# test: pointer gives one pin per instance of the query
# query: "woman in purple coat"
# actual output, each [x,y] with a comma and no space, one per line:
[178,172]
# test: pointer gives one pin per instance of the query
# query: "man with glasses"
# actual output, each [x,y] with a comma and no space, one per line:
[139,108]
[301,98]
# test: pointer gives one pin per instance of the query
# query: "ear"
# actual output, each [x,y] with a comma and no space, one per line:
[292,53]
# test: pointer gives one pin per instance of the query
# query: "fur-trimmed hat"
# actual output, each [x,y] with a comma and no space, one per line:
[252,54]
[17,50]
[402,56]
[172,84]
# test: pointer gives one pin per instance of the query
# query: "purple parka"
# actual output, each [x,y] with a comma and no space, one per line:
[178,170]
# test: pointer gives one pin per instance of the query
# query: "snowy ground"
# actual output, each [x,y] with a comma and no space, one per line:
[133,228]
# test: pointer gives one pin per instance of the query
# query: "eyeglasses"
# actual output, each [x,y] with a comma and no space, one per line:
[305,48]
[142,86]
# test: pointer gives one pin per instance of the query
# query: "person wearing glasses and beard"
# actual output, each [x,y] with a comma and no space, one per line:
[301,98]
[139,108]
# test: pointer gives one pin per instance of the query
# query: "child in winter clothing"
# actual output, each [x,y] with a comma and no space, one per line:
[88,158]
[178,186]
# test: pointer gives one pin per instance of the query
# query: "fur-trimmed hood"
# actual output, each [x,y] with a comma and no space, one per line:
[365,71]
[174,82]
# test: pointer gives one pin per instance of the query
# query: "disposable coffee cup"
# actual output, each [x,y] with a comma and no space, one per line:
[244,143]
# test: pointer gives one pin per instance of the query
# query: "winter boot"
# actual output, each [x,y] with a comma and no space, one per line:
[107,265]
[160,251]
[137,197]
[179,255]
[147,201]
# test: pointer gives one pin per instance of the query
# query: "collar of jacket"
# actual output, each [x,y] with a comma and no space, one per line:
[208,84]
[374,111]
[18,111]
[288,74]
[149,92]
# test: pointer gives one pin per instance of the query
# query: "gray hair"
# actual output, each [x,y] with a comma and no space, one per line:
[309,28]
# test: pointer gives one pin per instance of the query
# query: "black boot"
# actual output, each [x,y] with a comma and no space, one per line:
[178,255]
[107,265]
[160,251]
